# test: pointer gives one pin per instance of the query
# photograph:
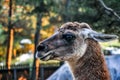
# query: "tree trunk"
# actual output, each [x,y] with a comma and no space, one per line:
[9,48]
[67,5]
[35,67]
[10,38]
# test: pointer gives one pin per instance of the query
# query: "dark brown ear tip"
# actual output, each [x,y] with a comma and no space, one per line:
[85,25]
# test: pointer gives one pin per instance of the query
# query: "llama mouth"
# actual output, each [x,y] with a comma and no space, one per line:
[51,55]
[47,56]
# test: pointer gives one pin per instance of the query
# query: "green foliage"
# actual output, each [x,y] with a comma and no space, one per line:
[2,53]
[2,35]
[26,16]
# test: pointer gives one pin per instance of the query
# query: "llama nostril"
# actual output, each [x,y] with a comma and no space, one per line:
[41,47]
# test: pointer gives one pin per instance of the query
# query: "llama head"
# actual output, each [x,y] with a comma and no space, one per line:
[70,40]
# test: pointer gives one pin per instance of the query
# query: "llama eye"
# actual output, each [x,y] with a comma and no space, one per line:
[69,37]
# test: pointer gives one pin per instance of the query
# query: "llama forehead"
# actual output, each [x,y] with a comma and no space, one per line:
[75,26]
[70,26]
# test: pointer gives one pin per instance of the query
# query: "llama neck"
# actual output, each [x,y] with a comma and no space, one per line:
[91,66]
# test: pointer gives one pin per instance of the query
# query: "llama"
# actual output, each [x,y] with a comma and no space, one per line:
[77,44]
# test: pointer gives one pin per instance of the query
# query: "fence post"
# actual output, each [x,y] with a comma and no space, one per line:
[14,72]
[42,73]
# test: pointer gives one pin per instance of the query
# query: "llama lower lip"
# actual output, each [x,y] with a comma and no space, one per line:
[46,55]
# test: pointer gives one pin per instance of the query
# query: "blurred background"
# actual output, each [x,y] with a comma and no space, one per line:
[24,23]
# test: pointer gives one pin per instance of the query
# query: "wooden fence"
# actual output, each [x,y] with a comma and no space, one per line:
[23,72]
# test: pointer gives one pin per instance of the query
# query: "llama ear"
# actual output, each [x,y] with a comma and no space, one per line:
[88,33]
[103,37]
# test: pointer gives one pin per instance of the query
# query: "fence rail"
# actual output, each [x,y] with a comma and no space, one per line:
[23,72]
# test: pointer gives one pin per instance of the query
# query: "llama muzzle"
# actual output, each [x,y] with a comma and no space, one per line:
[45,56]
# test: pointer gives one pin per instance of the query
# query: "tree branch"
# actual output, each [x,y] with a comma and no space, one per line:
[111,11]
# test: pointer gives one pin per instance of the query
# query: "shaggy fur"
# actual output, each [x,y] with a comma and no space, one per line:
[92,65]
[83,54]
